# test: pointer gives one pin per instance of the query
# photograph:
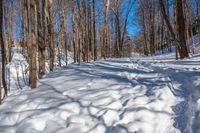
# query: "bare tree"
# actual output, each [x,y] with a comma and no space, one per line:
[33,67]
[94,30]
[105,32]
[51,36]
[3,53]
[182,47]
[73,29]
[41,37]
[11,30]
[64,29]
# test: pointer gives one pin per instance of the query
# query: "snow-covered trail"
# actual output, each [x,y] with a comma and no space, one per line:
[184,78]
[137,95]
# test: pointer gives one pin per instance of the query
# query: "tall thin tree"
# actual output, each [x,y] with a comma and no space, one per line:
[33,69]
[51,35]
[3,53]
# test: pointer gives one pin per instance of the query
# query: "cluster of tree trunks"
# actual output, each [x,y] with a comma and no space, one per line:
[83,30]
[44,34]
[180,38]
[164,23]
[37,36]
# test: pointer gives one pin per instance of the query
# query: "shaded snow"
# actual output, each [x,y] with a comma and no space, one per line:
[107,96]
[129,95]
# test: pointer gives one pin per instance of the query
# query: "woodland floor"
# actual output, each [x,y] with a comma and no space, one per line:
[129,95]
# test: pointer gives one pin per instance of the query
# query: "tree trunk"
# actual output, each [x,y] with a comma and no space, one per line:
[51,36]
[182,47]
[64,13]
[105,32]
[6,40]
[94,30]
[73,29]
[180,40]
[33,44]
[23,26]
[40,40]
[152,29]
[3,53]
[10,25]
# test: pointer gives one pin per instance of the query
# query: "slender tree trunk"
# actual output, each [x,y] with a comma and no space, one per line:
[192,39]
[182,47]
[89,23]
[64,14]
[23,26]
[33,44]
[43,40]
[73,29]
[3,53]
[162,35]
[175,25]
[146,51]
[6,43]
[94,30]
[105,32]
[27,29]
[152,29]
[41,46]
[118,34]
[51,36]
[11,27]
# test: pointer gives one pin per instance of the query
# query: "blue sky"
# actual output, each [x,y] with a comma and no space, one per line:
[132,26]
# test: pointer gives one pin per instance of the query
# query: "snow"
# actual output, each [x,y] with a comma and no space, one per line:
[129,95]
[17,69]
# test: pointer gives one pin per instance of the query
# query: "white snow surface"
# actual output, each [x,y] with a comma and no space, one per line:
[129,95]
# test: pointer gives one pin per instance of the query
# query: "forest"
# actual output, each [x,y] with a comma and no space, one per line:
[137,57]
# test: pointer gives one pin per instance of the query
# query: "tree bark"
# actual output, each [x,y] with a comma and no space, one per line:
[51,36]
[3,53]
[105,32]
[40,40]
[64,29]
[94,30]
[73,29]
[182,47]
[33,44]
[27,29]
[11,35]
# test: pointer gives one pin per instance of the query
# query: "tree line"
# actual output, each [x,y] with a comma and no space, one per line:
[166,24]
[48,30]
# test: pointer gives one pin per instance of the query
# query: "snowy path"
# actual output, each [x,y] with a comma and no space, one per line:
[138,95]
[185,82]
